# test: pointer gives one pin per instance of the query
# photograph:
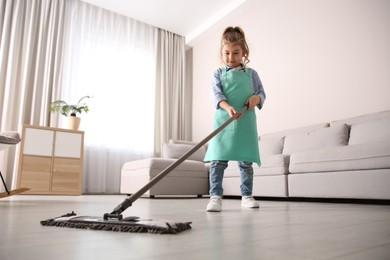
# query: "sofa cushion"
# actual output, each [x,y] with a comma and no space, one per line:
[284,133]
[9,137]
[370,132]
[175,151]
[316,139]
[342,158]
[271,146]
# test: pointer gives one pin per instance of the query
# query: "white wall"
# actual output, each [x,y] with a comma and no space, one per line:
[319,60]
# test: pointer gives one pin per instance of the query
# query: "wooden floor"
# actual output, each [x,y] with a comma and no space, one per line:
[278,230]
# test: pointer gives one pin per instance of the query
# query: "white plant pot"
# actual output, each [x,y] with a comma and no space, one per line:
[73,122]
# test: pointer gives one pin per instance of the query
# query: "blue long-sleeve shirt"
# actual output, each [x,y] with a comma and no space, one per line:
[217,90]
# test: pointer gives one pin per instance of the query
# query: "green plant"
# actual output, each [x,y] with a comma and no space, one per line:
[66,109]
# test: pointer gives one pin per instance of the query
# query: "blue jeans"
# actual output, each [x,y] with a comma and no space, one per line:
[217,169]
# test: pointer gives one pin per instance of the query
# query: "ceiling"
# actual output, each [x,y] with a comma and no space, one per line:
[186,18]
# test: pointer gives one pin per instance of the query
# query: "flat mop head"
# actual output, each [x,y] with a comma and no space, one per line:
[129,224]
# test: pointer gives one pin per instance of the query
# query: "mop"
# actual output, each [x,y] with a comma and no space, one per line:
[114,221]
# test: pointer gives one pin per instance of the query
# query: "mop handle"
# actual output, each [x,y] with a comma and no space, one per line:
[128,201]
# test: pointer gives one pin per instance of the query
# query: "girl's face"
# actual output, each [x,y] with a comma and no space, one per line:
[232,54]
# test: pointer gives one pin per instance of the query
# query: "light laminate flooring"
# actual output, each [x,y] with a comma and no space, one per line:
[278,230]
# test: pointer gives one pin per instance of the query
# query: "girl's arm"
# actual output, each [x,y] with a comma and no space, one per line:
[258,91]
[218,96]
[216,89]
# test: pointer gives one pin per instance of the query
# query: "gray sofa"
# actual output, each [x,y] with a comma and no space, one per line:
[347,158]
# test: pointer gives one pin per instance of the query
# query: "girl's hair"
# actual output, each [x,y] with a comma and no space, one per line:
[235,35]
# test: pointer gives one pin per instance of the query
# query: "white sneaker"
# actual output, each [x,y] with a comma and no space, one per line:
[215,204]
[249,202]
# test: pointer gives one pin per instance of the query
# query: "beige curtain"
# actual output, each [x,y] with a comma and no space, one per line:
[111,58]
[30,63]
[173,96]
[37,48]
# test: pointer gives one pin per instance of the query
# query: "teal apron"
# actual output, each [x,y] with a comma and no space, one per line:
[239,140]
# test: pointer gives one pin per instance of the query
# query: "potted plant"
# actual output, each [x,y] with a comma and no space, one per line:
[70,111]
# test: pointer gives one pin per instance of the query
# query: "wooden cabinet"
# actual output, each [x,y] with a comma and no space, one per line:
[51,160]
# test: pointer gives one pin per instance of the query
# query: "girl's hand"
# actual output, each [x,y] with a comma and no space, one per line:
[252,101]
[228,108]
[232,112]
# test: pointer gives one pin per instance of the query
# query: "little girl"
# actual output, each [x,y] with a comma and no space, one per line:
[234,86]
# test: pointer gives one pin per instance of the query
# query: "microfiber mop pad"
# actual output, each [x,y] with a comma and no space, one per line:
[129,224]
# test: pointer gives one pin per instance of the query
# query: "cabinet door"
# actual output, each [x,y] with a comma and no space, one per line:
[67,176]
[68,144]
[36,173]
[38,142]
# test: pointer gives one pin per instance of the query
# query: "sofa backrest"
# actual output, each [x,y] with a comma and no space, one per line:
[355,130]
[361,119]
